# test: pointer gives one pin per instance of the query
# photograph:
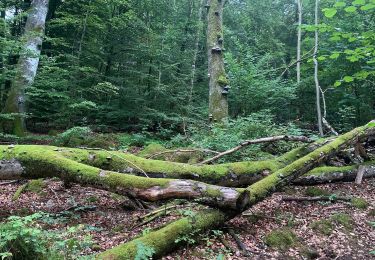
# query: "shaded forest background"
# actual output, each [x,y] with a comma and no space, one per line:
[124,65]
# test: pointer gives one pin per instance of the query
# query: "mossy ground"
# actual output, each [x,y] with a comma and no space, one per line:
[314,191]
[281,239]
[359,203]
[324,226]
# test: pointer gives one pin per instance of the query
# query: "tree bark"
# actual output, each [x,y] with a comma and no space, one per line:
[20,162]
[27,66]
[299,37]
[326,174]
[316,69]
[218,82]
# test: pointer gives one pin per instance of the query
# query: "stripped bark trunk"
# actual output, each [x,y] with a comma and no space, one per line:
[316,69]
[218,85]
[27,66]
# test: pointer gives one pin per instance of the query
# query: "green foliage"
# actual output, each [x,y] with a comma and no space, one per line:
[323,226]
[343,219]
[281,238]
[314,191]
[23,238]
[73,137]
[144,252]
[359,203]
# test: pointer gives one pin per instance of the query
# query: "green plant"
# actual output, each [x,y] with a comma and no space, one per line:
[144,252]
[359,203]
[73,137]
[343,219]
[314,191]
[323,226]
[24,238]
[281,238]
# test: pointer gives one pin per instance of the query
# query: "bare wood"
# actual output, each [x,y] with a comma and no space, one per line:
[181,151]
[258,141]
[361,171]
[316,64]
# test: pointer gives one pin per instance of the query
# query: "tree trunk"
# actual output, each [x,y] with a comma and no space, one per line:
[299,36]
[218,82]
[335,174]
[27,66]
[316,70]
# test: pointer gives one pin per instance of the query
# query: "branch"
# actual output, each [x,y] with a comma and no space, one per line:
[258,141]
[317,198]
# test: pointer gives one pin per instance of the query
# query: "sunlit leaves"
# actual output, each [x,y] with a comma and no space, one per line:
[367,7]
[334,55]
[330,12]
[350,9]
[359,2]
[340,4]
[348,79]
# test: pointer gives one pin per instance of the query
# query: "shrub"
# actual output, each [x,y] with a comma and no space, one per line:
[73,137]
[22,238]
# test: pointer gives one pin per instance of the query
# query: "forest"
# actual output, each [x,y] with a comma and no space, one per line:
[191,129]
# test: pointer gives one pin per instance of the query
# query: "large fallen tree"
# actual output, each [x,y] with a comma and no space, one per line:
[117,172]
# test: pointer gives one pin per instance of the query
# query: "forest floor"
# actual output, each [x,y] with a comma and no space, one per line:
[309,230]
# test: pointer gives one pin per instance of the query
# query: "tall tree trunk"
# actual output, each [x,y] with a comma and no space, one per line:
[218,85]
[316,69]
[299,36]
[27,65]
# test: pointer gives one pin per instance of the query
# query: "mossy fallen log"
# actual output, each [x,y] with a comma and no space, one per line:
[33,162]
[166,239]
[257,191]
[327,174]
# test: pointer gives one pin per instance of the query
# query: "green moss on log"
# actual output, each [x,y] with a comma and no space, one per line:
[163,240]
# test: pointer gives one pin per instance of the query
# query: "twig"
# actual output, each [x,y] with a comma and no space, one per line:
[157,211]
[246,252]
[181,151]
[162,213]
[8,182]
[258,141]
[317,198]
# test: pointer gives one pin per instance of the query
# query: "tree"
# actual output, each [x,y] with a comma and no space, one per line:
[27,66]
[299,36]
[219,84]
[316,69]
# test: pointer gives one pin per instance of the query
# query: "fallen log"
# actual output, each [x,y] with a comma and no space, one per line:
[257,191]
[165,239]
[33,162]
[328,174]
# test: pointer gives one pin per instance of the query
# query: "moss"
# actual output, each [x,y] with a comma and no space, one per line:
[314,191]
[35,186]
[222,80]
[213,192]
[151,149]
[343,219]
[309,253]
[359,203]
[260,189]
[281,238]
[372,213]
[163,240]
[92,199]
[323,226]
[19,191]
